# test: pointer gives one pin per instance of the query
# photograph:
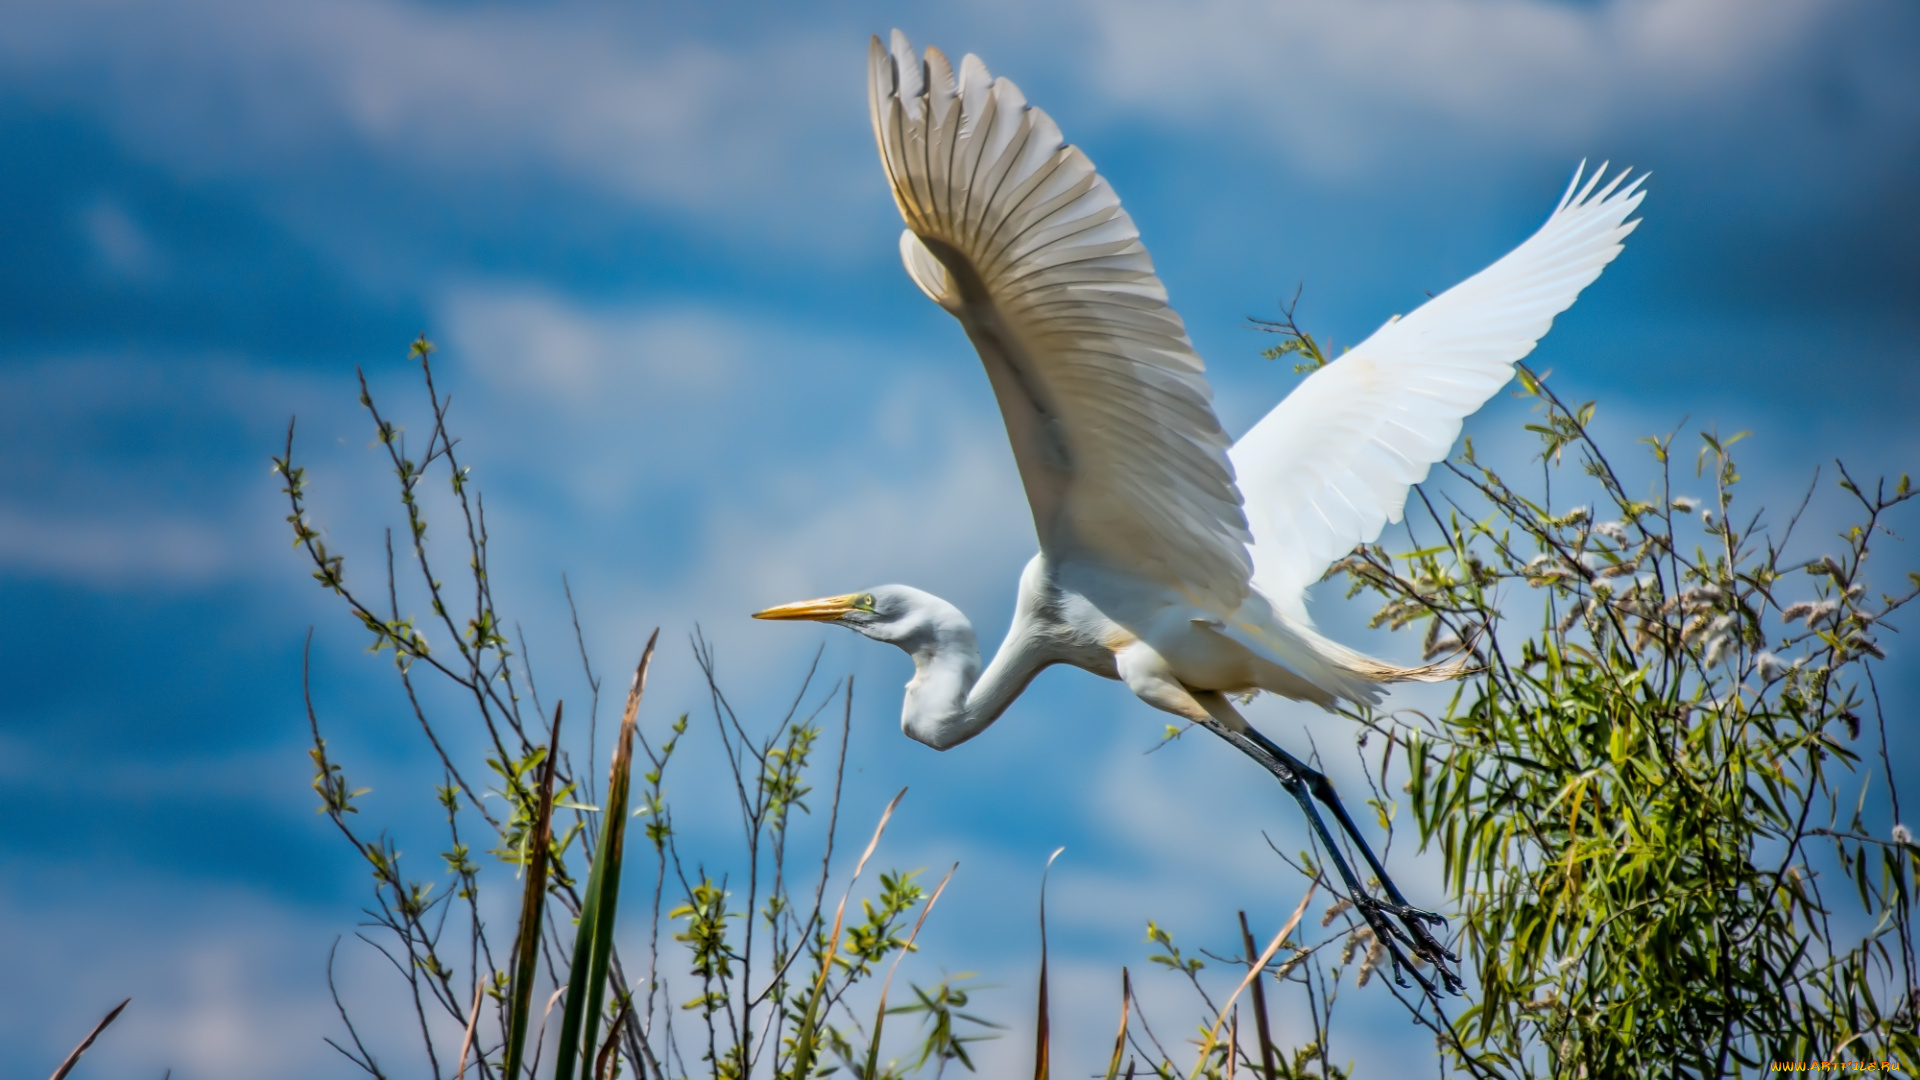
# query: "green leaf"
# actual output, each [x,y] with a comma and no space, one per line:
[593,941]
[526,942]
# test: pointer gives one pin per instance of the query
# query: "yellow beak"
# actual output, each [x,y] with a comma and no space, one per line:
[825,609]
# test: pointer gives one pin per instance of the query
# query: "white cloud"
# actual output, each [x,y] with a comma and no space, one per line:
[798,476]
[219,87]
[962,523]
[615,404]
[147,543]
[691,125]
[225,983]
[1341,87]
[596,364]
[120,243]
[98,490]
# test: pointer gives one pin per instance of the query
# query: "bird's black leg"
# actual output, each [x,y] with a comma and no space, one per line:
[1306,784]
[1322,789]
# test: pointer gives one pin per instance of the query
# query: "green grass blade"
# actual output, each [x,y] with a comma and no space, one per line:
[526,942]
[572,1017]
[593,944]
[613,840]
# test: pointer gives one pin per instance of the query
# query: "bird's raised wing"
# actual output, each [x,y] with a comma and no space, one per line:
[1331,464]
[1105,401]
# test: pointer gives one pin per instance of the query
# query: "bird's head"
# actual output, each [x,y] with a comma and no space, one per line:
[897,614]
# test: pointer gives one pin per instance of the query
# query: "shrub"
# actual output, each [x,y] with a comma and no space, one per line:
[771,971]
[1651,799]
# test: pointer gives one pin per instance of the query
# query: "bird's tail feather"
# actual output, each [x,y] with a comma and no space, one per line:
[1333,669]
[1380,671]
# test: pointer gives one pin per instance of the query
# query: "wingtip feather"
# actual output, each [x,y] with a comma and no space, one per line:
[973,73]
[1573,184]
[974,166]
[939,70]
[909,74]
[1441,362]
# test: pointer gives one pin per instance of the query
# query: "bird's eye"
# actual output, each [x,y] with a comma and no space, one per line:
[864,601]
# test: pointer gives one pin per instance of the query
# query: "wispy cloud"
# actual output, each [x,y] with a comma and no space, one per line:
[120,243]
[1352,87]
[597,363]
[791,471]
[146,545]
[224,984]
[213,87]
[102,490]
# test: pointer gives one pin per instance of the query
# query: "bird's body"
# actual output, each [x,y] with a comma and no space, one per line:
[1170,651]
[1171,557]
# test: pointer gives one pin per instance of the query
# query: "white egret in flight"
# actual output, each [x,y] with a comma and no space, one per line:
[1171,557]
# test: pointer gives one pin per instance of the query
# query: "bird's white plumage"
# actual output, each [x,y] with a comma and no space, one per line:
[1332,464]
[1105,400]
[1149,570]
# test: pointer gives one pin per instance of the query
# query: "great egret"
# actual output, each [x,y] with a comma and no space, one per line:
[1170,558]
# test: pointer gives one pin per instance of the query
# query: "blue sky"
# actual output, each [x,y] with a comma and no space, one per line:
[656,249]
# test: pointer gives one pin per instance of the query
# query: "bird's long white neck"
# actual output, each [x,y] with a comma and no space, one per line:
[949,699]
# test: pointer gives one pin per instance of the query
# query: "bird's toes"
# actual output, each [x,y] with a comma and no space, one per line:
[1409,914]
[1410,929]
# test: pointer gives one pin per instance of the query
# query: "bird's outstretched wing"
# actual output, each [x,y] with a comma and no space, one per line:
[1331,464]
[1105,401]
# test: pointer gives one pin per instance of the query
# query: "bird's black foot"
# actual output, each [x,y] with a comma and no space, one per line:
[1306,784]
[1397,925]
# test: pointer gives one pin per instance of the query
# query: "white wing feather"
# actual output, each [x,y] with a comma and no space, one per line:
[1105,401]
[1331,465]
